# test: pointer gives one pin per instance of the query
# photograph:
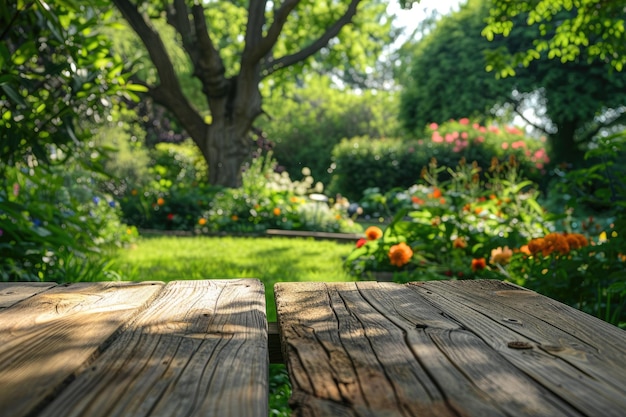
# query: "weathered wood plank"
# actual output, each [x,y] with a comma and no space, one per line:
[14,292]
[46,338]
[200,349]
[576,356]
[382,349]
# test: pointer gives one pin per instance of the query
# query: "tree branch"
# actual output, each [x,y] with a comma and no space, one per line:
[169,93]
[262,46]
[332,31]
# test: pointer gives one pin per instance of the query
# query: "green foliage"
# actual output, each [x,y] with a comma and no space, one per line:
[57,78]
[306,123]
[55,225]
[56,71]
[385,164]
[569,31]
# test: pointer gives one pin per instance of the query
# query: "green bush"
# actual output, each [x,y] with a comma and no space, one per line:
[363,163]
[450,225]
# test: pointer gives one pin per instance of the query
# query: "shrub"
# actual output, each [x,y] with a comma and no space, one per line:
[363,163]
[269,199]
[55,225]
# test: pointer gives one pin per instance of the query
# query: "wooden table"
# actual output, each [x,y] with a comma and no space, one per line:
[455,348]
[188,348]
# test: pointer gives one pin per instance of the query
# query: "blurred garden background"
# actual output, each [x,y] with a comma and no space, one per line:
[161,140]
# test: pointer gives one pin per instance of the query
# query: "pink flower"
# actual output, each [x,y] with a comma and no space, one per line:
[433,126]
[437,138]
[494,129]
[480,139]
[464,121]
[518,144]
[505,145]
[449,137]
[464,135]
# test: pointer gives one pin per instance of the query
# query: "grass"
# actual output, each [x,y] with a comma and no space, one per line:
[270,260]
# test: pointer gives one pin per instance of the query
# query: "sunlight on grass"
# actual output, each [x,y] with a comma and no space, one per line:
[269,259]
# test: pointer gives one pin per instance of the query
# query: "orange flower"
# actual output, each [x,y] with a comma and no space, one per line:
[478,264]
[361,242]
[524,249]
[501,255]
[459,242]
[276,211]
[417,200]
[576,240]
[234,217]
[160,201]
[133,192]
[373,233]
[436,193]
[400,254]
[535,245]
[202,221]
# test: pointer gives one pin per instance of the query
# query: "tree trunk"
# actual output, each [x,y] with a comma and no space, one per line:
[565,150]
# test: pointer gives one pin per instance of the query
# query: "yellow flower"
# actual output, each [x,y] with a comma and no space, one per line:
[400,254]
[276,211]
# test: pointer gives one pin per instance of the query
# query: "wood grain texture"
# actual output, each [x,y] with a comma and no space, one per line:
[442,348]
[14,292]
[46,338]
[200,349]
[579,358]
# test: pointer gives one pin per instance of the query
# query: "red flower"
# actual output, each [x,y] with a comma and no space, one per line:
[478,264]
[170,217]
[361,242]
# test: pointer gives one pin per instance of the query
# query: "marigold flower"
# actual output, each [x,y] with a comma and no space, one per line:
[276,211]
[460,243]
[400,254]
[524,249]
[234,217]
[202,221]
[436,193]
[373,233]
[478,264]
[361,242]
[160,201]
[417,200]
[576,240]
[501,255]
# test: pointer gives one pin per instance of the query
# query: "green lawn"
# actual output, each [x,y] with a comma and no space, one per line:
[269,259]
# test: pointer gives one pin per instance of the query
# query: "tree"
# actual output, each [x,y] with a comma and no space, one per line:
[568,30]
[578,98]
[307,122]
[261,40]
